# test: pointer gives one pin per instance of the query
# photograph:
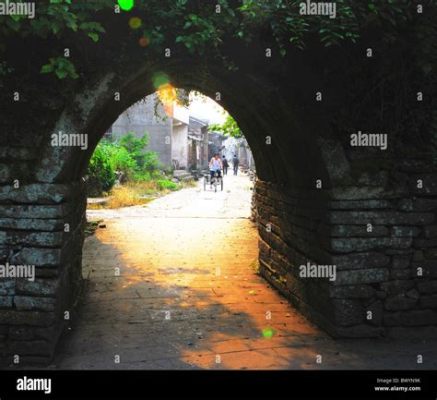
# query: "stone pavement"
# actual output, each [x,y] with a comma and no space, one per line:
[173,285]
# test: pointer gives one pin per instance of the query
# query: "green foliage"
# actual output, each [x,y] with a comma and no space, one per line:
[101,173]
[165,184]
[228,128]
[199,28]
[61,66]
[126,156]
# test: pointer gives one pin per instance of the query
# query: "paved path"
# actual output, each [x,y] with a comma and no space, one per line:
[188,296]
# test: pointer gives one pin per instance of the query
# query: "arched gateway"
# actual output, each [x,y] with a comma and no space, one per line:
[346,197]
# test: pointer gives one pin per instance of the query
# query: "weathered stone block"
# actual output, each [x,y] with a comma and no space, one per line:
[359,331]
[348,312]
[430,231]
[380,218]
[38,257]
[411,318]
[352,292]
[429,301]
[40,287]
[405,231]
[401,261]
[427,286]
[48,225]
[360,204]
[34,303]
[377,312]
[6,301]
[399,302]
[362,276]
[397,286]
[356,244]
[360,260]
[7,287]
[31,318]
[32,347]
[38,193]
[358,231]
[21,333]
[43,239]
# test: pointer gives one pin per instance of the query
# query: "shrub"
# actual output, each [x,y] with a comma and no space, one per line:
[165,184]
[125,156]
[101,173]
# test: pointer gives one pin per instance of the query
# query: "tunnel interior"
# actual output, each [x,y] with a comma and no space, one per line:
[321,201]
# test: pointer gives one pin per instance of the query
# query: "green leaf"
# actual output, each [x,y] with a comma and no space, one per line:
[47,68]
[94,36]
[61,74]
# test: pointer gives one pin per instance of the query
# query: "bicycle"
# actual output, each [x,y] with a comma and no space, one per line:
[215,181]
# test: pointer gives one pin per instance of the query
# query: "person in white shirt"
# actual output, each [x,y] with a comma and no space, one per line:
[215,166]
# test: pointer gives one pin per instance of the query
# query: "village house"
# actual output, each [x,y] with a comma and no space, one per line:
[180,140]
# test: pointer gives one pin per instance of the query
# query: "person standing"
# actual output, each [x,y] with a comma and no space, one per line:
[225,165]
[235,163]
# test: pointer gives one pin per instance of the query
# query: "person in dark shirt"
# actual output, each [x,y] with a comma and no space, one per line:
[235,163]
[225,165]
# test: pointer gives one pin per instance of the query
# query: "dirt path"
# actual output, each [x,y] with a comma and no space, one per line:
[173,285]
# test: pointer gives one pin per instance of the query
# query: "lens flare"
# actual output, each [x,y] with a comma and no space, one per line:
[135,22]
[268,333]
[126,5]
[160,79]
[168,96]
[144,41]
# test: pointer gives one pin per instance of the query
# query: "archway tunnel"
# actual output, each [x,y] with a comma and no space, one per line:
[346,231]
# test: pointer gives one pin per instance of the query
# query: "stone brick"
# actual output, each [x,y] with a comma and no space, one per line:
[348,312]
[427,286]
[358,231]
[418,204]
[411,318]
[360,260]
[6,301]
[425,242]
[397,286]
[38,257]
[400,274]
[399,302]
[429,301]
[39,193]
[352,292]
[40,287]
[405,231]
[401,261]
[28,224]
[362,276]
[34,211]
[430,231]
[32,347]
[360,204]
[377,310]
[43,239]
[32,318]
[359,331]
[380,217]
[21,333]
[7,287]
[355,244]
[34,303]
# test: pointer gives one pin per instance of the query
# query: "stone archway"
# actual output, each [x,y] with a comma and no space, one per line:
[319,200]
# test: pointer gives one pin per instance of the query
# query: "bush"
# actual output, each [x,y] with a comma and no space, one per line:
[125,156]
[101,173]
[165,184]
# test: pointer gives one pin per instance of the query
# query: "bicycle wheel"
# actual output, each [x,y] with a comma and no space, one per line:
[221,184]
